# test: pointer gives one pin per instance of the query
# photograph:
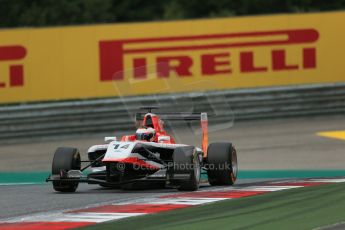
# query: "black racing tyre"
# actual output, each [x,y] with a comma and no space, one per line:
[186,162]
[222,164]
[65,159]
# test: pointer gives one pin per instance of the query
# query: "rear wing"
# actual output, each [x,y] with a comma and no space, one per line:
[184,116]
[173,116]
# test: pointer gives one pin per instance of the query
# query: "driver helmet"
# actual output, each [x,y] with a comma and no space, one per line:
[145,134]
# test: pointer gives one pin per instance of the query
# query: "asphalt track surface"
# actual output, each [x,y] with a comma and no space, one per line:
[270,144]
[31,199]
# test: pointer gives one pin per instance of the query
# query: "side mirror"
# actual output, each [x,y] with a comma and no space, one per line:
[163,138]
[109,139]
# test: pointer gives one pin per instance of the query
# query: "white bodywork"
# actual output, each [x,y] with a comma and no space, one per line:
[117,151]
[120,150]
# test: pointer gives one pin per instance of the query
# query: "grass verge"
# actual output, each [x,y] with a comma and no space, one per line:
[302,208]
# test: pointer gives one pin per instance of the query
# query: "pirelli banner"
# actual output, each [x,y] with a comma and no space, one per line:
[65,63]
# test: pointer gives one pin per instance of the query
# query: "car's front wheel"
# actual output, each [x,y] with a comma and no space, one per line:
[65,159]
[186,171]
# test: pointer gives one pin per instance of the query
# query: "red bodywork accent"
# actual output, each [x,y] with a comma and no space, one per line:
[204,143]
[128,138]
[153,121]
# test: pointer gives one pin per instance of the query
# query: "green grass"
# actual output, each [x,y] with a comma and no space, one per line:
[302,208]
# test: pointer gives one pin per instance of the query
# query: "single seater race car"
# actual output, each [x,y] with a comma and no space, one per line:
[147,159]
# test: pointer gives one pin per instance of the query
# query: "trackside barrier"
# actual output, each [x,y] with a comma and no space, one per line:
[84,117]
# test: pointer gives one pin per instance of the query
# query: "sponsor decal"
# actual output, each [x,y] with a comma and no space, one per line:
[116,60]
[210,63]
[15,71]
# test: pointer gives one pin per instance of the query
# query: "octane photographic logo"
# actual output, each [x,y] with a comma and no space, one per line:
[138,63]
[13,54]
[181,166]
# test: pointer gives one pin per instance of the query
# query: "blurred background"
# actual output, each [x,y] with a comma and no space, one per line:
[269,73]
[17,13]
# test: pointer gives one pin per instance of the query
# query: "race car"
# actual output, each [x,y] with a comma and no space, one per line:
[147,159]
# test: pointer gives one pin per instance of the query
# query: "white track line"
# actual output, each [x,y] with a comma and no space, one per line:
[93,217]
[186,201]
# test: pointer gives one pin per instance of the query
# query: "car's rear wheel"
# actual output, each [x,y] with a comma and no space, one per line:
[186,171]
[65,159]
[222,164]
